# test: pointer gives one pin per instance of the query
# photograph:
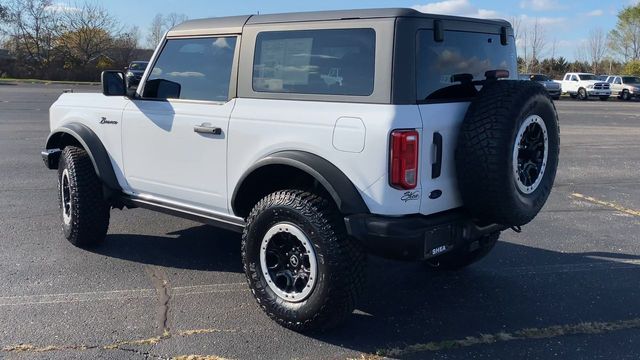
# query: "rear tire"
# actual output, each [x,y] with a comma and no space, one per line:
[461,258]
[320,288]
[85,213]
[625,95]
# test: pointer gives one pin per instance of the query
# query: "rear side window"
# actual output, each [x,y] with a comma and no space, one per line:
[193,69]
[460,53]
[330,62]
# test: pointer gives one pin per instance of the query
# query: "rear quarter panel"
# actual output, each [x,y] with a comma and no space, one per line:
[261,127]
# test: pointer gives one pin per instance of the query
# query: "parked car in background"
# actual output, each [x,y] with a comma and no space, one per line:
[625,87]
[602,77]
[553,88]
[135,70]
[585,85]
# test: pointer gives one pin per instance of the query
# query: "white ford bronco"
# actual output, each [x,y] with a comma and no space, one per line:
[320,137]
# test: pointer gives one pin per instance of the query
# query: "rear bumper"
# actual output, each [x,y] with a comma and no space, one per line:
[416,237]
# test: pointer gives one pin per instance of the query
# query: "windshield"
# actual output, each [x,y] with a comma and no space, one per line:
[630,80]
[138,66]
[460,53]
[588,77]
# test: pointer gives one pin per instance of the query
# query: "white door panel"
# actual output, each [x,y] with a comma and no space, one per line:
[165,157]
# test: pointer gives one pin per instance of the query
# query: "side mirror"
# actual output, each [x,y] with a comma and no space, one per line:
[114,83]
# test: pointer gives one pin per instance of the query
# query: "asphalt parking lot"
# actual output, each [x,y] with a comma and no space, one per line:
[567,287]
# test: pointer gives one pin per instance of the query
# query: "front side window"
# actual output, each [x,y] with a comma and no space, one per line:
[462,56]
[330,62]
[192,69]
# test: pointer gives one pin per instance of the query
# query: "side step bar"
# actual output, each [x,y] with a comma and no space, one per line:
[227,222]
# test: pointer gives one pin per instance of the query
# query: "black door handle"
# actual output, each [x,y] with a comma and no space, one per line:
[436,167]
[206,128]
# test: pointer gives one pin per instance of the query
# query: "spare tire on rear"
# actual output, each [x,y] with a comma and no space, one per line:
[507,152]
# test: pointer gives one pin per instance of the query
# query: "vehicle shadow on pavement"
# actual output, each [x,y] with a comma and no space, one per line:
[197,248]
[516,287]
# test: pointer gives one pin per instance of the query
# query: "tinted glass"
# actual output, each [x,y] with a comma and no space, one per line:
[334,62]
[539,78]
[193,69]
[138,66]
[459,53]
[588,77]
[631,80]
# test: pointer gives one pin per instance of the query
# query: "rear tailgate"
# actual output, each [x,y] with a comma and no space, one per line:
[441,124]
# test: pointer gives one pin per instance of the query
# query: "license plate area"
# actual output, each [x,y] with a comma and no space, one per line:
[440,239]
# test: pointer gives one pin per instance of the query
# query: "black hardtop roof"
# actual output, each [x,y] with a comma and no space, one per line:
[234,24]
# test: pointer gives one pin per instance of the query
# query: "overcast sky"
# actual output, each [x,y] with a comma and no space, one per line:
[568,22]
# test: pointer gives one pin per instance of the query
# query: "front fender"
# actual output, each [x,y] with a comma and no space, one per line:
[62,136]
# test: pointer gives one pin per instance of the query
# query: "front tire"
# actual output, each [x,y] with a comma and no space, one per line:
[302,268]
[582,94]
[85,213]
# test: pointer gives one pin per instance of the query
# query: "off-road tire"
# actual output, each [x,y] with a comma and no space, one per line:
[340,260]
[485,152]
[462,257]
[89,212]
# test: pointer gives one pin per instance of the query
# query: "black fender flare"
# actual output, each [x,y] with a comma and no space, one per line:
[93,146]
[340,188]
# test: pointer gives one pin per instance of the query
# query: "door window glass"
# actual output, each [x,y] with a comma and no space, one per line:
[193,69]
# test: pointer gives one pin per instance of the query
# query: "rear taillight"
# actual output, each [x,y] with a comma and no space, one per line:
[404,159]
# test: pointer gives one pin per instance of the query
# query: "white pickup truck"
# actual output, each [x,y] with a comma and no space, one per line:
[585,85]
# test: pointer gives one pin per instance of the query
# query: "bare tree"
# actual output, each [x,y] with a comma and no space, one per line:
[32,25]
[596,47]
[161,24]
[156,31]
[537,42]
[125,47]
[174,19]
[87,32]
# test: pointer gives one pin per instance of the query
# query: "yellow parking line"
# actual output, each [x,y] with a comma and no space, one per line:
[607,204]
[586,328]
